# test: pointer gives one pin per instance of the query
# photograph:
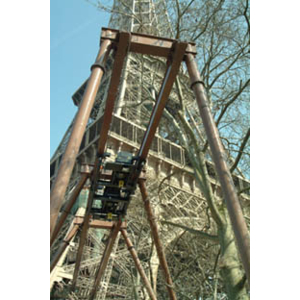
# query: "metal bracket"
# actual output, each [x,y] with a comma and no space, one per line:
[129,40]
[197,81]
[98,64]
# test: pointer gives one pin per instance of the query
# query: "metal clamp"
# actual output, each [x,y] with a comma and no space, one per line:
[98,64]
[129,40]
[197,81]
[171,53]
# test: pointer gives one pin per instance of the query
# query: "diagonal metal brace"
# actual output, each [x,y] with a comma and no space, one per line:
[121,52]
[105,258]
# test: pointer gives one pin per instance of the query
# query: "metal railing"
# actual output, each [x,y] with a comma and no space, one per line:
[133,134]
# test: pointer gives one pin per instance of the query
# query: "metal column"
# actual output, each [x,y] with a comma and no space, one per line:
[104,261]
[218,155]
[68,207]
[156,239]
[120,54]
[68,161]
[138,264]
[174,64]
[71,233]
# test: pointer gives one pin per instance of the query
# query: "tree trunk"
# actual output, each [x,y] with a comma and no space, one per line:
[230,268]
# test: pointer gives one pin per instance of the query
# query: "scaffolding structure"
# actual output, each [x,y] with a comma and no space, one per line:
[104,268]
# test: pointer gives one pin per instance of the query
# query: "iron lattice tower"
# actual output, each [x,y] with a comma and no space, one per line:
[173,190]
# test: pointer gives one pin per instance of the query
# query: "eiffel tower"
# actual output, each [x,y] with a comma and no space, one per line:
[173,191]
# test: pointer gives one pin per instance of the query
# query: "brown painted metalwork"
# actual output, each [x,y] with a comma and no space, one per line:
[104,261]
[112,92]
[105,224]
[176,52]
[67,209]
[69,157]
[99,224]
[122,49]
[159,247]
[147,44]
[138,264]
[171,72]
[71,233]
[218,154]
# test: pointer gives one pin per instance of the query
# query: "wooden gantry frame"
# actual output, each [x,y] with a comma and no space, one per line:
[121,43]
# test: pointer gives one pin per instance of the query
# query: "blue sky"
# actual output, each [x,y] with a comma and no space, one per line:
[74,42]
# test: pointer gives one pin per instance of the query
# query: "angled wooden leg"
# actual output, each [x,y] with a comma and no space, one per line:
[138,264]
[106,254]
[156,239]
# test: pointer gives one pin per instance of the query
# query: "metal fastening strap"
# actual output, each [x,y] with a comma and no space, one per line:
[171,53]
[98,64]
[129,42]
[197,81]
[131,247]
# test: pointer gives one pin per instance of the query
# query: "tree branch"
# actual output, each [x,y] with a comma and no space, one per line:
[205,235]
[245,140]
[232,101]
